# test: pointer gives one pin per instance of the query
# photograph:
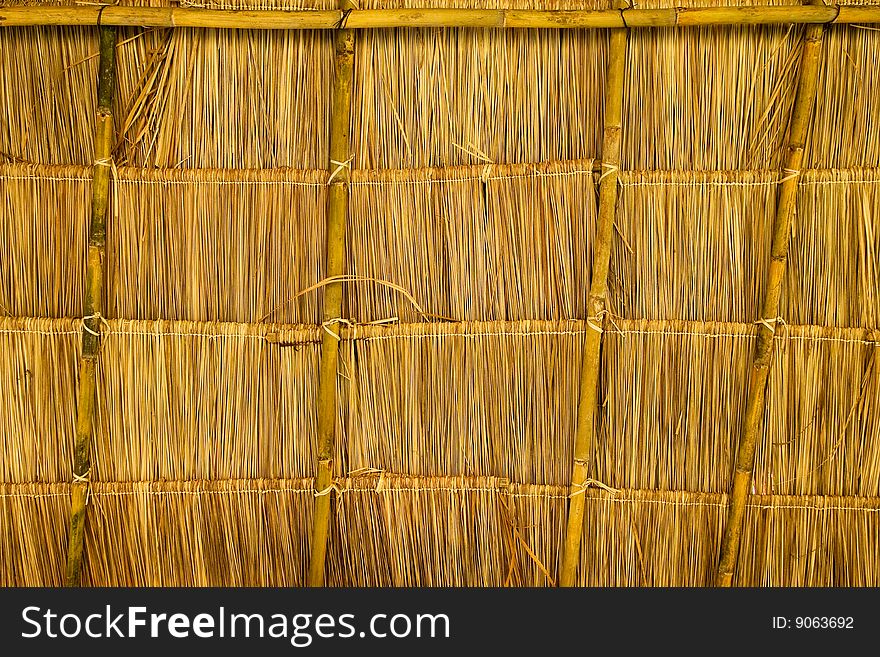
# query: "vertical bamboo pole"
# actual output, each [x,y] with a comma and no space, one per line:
[337,219]
[92,305]
[587,403]
[786,200]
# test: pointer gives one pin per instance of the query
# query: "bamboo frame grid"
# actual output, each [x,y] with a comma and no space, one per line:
[357,19]
[345,22]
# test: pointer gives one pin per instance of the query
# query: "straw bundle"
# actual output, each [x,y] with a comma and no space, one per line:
[44,223]
[33,533]
[691,245]
[674,397]
[427,532]
[38,383]
[671,404]
[270,111]
[475,399]
[670,539]
[479,242]
[823,406]
[49,93]
[182,400]
[836,241]
[446,97]
[199,533]
[734,85]
[216,245]
[848,100]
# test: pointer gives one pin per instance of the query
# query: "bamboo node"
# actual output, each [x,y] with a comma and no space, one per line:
[340,166]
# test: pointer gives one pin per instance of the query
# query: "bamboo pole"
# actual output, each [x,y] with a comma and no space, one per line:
[337,218]
[92,305]
[587,405]
[299,19]
[786,200]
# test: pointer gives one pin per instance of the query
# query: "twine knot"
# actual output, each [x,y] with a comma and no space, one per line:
[103,322]
[339,167]
[336,320]
[85,478]
[592,483]
[790,174]
[609,169]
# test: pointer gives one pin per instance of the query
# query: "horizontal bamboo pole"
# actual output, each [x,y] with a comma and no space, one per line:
[387,18]
[786,200]
[92,306]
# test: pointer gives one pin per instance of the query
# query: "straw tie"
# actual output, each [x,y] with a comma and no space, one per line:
[595,322]
[333,487]
[84,478]
[592,483]
[609,169]
[100,319]
[339,166]
[336,320]
[790,174]
[343,21]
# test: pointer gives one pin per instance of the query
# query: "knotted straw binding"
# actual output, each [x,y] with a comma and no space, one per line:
[609,169]
[592,483]
[86,479]
[100,319]
[339,167]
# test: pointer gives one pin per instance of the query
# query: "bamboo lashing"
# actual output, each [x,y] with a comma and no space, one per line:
[785,207]
[337,219]
[92,305]
[587,402]
[389,18]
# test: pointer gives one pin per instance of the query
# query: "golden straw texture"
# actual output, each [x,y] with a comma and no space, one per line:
[847,102]
[38,384]
[674,397]
[671,539]
[834,255]
[271,109]
[447,97]
[44,223]
[34,521]
[480,242]
[199,533]
[216,245]
[430,531]
[715,98]
[464,399]
[185,400]
[689,245]
[48,91]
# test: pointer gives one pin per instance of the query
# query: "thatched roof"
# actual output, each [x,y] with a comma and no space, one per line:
[163,405]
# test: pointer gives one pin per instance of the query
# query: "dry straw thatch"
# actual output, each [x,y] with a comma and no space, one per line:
[461,200]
